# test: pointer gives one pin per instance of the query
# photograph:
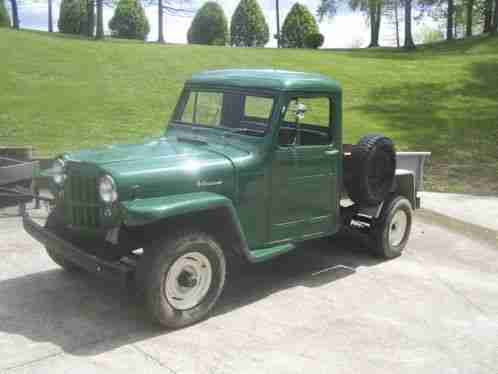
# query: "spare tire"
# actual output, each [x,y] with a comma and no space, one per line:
[371,169]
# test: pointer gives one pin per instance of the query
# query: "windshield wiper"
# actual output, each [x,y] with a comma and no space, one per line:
[235,130]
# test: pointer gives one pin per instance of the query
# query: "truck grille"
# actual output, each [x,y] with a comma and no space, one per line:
[81,200]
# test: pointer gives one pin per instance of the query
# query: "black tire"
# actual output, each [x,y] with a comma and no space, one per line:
[158,261]
[383,242]
[372,168]
[52,224]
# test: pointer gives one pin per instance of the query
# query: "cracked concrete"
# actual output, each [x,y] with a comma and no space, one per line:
[328,307]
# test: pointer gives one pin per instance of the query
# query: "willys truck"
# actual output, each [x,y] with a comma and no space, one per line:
[251,164]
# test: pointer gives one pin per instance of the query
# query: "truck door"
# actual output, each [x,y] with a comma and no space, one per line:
[305,171]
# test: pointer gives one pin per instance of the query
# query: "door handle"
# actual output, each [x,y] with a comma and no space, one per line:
[331,152]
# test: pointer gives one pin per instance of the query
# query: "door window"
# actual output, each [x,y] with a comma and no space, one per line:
[306,122]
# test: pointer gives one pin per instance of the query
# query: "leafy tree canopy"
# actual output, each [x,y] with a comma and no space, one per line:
[209,26]
[248,27]
[298,24]
[129,21]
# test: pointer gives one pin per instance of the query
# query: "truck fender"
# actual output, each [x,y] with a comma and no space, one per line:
[404,186]
[146,211]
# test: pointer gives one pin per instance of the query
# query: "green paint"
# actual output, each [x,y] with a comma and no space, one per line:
[276,192]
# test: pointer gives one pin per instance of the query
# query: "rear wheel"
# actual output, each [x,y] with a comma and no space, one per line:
[181,278]
[390,232]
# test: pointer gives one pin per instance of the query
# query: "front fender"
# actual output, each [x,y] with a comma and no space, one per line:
[144,211]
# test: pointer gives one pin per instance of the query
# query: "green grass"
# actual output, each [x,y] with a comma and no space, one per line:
[61,93]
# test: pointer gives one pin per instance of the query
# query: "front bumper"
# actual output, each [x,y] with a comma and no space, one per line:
[118,270]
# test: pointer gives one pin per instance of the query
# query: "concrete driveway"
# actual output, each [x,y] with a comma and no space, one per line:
[328,308]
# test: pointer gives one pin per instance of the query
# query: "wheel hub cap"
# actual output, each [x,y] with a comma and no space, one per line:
[188,280]
[397,228]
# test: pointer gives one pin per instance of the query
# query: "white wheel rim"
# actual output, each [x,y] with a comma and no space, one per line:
[188,280]
[397,228]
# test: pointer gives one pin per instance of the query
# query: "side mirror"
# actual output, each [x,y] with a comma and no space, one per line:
[301,109]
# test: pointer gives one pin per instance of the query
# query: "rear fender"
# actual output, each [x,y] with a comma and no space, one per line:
[404,186]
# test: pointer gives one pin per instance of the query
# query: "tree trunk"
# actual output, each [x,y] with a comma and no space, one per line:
[50,22]
[488,16]
[100,20]
[470,14]
[449,20]
[409,44]
[396,22]
[160,21]
[90,11]
[277,7]
[375,11]
[15,14]
[495,28]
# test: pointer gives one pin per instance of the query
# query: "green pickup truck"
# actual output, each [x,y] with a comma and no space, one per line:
[252,163]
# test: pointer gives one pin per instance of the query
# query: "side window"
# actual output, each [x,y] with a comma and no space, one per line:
[203,108]
[258,108]
[307,121]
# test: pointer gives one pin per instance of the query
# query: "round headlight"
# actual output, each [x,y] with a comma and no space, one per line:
[107,189]
[58,171]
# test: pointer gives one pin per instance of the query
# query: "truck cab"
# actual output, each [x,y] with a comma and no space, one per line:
[251,163]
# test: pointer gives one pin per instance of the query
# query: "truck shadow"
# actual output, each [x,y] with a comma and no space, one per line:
[85,316]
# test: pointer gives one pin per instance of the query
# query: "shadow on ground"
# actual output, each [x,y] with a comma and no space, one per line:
[76,311]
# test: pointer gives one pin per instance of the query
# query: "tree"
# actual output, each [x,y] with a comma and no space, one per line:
[392,11]
[72,17]
[373,9]
[409,44]
[248,27]
[209,26]
[488,16]
[129,21]
[298,24]
[495,28]
[90,15]
[99,33]
[15,14]
[449,19]
[277,35]
[469,17]
[50,20]
[4,15]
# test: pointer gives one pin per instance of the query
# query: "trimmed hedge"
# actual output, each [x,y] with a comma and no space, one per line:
[73,17]
[314,40]
[209,26]
[129,21]
[298,24]
[248,27]
[4,15]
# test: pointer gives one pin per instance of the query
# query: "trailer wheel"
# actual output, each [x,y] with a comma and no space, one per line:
[390,232]
[53,225]
[372,168]
[181,277]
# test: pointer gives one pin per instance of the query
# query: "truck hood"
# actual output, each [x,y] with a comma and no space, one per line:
[166,166]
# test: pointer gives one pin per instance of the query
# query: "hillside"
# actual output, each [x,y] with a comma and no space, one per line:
[61,93]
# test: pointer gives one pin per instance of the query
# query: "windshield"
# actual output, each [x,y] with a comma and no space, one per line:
[238,113]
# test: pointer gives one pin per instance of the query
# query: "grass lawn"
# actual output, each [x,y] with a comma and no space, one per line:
[59,93]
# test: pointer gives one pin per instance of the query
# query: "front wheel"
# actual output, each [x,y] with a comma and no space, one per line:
[181,278]
[390,232]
